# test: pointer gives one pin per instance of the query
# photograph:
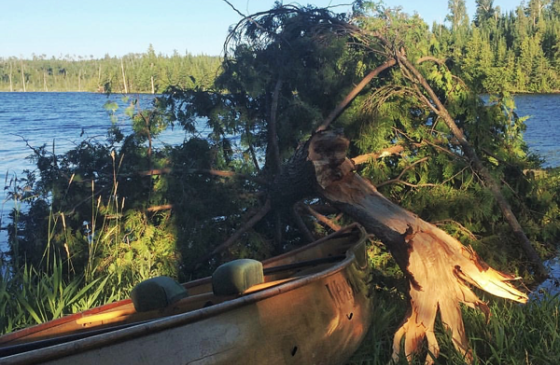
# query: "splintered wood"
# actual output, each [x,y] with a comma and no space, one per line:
[439,269]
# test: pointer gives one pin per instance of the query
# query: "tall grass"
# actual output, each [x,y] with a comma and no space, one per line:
[29,296]
[54,287]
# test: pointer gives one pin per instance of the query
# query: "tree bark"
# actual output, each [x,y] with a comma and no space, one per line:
[124,77]
[439,269]
[22,77]
[273,151]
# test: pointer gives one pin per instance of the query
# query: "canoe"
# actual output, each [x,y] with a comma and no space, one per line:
[312,305]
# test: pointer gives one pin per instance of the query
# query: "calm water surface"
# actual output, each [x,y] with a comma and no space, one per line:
[65,119]
[543,125]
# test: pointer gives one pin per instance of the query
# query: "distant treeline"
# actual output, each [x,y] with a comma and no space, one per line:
[520,49]
[133,73]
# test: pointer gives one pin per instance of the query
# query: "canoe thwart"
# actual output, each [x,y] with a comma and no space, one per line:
[156,293]
[235,277]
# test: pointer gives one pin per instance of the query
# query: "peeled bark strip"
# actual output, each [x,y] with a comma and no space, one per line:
[438,267]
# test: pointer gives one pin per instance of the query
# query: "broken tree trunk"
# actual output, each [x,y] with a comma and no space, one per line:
[439,268]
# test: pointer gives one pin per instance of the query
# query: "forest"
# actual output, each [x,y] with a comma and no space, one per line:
[520,48]
[398,98]
[133,73]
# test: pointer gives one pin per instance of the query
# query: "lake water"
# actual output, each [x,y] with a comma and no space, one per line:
[543,125]
[67,118]
[62,119]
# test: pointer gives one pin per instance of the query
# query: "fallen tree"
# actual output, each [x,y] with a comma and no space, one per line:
[439,268]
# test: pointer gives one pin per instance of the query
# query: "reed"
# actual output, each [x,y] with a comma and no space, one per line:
[29,296]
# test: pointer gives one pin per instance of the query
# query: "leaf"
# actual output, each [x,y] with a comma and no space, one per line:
[111,106]
[129,111]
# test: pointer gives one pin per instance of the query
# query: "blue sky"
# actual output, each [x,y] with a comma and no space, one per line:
[98,27]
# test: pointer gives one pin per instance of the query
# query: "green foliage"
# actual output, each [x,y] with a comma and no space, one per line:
[32,297]
[516,51]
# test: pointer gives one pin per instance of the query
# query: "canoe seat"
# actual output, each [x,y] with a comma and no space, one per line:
[234,277]
[156,293]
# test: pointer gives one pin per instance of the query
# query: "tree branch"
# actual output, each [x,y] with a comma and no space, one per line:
[461,227]
[234,237]
[158,208]
[221,173]
[432,59]
[273,151]
[301,224]
[352,94]
[322,219]
[393,150]
[398,178]
[252,151]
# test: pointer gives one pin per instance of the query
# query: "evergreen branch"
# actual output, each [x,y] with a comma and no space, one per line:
[251,19]
[425,100]
[88,198]
[322,219]
[252,149]
[398,180]
[381,95]
[432,59]
[152,172]
[461,227]
[250,223]
[393,150]
[431,144]
[301,224]
[352,94]
[441,63]
[158,208]
[221,173]
[324,209]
